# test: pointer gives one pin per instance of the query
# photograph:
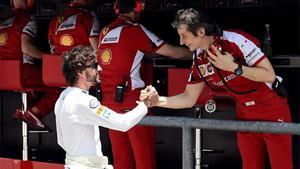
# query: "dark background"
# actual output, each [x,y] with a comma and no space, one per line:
[248,15]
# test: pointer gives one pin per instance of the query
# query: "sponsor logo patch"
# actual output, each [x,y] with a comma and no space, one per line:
[60,20]
[105,30]
[94,103]
[100,110]
[106,56]
[66,40]
[202,70]
[3,38]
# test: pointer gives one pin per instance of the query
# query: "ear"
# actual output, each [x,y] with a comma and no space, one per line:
[201,32]
[80,74]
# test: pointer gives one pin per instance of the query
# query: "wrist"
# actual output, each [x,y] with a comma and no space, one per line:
[234,67]
[147,103]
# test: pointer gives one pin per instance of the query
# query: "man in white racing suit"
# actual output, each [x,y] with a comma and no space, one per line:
[79,114]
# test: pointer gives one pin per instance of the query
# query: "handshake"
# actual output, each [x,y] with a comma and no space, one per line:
[149,96]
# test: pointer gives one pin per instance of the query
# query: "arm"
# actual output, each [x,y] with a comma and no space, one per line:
[105,117]
[93,42]
[28,47]
[174,52]
[186,99]
[262,72]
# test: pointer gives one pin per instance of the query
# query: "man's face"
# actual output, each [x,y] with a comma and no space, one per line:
[92,75]
[188,38]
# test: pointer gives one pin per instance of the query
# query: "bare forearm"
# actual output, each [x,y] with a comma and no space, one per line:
[258,74]
[29,48]
[175,52]
[32,51]
[175,102]
[263,72]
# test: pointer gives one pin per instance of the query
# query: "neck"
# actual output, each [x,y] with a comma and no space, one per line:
[209,40]
[82,86]
[127,16]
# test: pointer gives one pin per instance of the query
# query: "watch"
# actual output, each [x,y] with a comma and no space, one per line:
[238,71]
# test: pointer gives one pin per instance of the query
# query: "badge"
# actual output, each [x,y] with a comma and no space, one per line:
[106,56]
[3,38]
[66,40]
[210,106]
[94,103]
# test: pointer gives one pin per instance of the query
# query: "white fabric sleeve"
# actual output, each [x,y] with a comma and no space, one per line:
[91,112]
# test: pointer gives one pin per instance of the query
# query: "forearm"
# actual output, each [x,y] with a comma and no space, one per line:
[175,52]
[93,42]
[28,47]
[258,74]
[175,102]
[32,51]
[262,72]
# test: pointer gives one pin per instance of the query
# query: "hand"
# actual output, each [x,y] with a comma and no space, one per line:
[150,94]
[146,102]
[222,61]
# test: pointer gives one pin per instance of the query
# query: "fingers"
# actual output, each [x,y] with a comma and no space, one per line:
[217,51]
[212,61]
[150,95]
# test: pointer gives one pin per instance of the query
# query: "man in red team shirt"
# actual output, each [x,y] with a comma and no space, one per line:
[76,25]
[232,60]
[18,33]
[122,45]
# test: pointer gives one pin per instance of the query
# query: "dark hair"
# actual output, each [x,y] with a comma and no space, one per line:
[125,6]
[75,61]
[195,20]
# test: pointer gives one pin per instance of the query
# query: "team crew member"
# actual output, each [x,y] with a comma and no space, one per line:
[122,45]
[75,26]
[232,60]
[79,114]
[17,35]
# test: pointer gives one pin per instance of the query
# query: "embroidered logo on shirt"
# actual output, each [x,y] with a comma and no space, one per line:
[106,56]
[202,70]
[105,30]
[66,40]
[94,103]
[3,38]
[60,20]
[100,110]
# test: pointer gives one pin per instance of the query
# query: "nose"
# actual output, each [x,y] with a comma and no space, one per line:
[181,41]
[99,68]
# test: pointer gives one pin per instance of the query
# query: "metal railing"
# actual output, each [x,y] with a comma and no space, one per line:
[187,124]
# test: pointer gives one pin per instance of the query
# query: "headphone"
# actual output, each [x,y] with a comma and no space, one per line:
[29,4]
[138,8]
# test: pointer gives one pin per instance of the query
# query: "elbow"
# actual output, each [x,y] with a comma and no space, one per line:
[25,50]
[191,103]
[271,78]
[124,127]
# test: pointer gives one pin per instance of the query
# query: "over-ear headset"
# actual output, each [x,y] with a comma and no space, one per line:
[139,6]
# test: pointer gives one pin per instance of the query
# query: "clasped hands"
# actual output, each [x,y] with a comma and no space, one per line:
[149,96]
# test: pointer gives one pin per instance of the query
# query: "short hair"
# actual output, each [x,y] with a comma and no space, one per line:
[125,6]
[195,20]
[75,61]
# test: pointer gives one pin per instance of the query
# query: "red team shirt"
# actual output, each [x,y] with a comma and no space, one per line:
[11,31]
[244,48]
[121,50]
[72,27]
